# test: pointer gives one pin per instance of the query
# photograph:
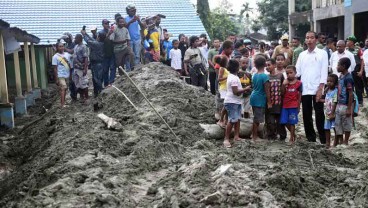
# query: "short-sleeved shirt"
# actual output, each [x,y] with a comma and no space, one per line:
[63,70]
[79,55]
[233,81]
[134,29]
[346,83]
[258,96]
[211,54]
[296,54]
[330,100]
[192,51]
[291,96]
[167,46]
[120,34]
[155,37]
[175,55]
[275,92]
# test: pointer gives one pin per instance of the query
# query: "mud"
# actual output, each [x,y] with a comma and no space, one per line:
[69,158]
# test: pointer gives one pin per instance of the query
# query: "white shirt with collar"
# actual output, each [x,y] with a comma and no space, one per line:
[365,59]
[312,67]
[336,56]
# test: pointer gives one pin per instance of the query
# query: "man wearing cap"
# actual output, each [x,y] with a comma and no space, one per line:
[341,53]
[312,68]
[94,32]
[358,81]
[285,50]
[109,69]
[134,25]
[297,49]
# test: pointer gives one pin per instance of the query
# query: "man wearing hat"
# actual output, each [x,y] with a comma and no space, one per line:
[134,26]
[285,50]
[358,81]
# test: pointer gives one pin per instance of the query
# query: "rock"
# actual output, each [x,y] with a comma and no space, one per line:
[214,131]
[215,198]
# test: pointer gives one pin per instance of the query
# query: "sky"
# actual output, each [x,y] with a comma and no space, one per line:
[236,4]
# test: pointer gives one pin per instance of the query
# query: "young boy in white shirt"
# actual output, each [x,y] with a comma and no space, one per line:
[175,55]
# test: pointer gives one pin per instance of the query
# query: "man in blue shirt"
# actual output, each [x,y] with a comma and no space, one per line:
[166,46]
[134,25]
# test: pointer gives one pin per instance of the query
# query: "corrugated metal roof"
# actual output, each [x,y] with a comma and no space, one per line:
[50,19]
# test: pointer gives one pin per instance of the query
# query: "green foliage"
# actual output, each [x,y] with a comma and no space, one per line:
[203,9]
[221,25]
[256,26]
[274,15]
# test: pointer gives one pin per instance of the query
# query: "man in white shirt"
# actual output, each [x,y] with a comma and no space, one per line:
[341,53]
[312,68]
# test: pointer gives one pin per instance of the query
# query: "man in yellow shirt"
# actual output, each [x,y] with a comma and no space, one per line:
[153,37]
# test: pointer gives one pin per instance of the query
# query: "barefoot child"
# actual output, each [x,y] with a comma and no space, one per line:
[246,80]
[260,95]
[343,118]
[222,77]
[233,101]
[330,106]
[61,63]
[273,127]
[292,94]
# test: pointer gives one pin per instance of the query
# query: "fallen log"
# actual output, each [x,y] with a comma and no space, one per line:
[214,131]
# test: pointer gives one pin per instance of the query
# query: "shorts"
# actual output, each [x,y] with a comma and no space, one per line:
[329,124]
[233,112]
[222,94]
[80,80]
[289,116]
[246,107]
[63,82]
[342,123]
[259,114]
[219,102]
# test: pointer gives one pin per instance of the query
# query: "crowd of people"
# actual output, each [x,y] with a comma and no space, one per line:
[327,77]
[270,82]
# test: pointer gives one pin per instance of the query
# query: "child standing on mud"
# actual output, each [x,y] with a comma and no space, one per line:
[343,118]
[330,106]
[222,77]
[292,94]
[260,95]
[273,127]
[246,80]
[233,101]
[61,63]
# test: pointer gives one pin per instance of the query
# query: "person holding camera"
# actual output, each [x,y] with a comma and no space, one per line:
[134,24]
[96,58]
[197,65]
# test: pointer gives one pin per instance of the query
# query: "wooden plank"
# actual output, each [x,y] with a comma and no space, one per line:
[34,68]
[18,82]
[3,79]
[28,67]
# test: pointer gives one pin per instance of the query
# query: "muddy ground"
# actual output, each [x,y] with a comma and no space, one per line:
[69,158]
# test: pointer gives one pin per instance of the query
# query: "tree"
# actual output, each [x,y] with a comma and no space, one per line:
[203,9]
[256,26]
[221,25]
[274,17]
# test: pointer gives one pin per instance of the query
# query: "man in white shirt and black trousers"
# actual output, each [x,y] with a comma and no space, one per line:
[312,67]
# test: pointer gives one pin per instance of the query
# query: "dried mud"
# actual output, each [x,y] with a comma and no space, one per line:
[70,159]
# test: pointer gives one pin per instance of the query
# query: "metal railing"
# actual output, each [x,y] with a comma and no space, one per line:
[327,3]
